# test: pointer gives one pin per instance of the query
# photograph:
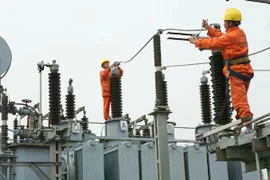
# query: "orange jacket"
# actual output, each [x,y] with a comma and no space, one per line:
[232,44]
[105,80]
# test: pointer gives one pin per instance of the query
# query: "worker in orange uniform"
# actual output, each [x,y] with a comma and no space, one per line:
[234,47]
[105,79]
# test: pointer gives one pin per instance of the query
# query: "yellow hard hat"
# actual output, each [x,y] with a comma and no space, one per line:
[233,14]
[103,61]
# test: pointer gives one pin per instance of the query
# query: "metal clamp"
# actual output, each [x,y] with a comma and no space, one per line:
[196,36]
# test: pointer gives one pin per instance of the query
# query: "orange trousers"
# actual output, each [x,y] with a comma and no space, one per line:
[106,107]
[239,90]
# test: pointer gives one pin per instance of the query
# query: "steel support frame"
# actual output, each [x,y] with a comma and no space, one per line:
[268,172]
[161,144]
[3,176]
[140,139]
[55,156]
[229,125]
[43,164]
[257,158]
[33,165]
[39,172]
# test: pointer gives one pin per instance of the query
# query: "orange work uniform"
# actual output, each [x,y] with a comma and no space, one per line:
[233,44]
[105,80]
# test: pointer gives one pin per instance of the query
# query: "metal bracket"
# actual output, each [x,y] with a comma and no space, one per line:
[3,176]
[196,36]
[182,34]
[217,130]
[234,154]
[39,172]
[229,125]
[260,145]
[115,71]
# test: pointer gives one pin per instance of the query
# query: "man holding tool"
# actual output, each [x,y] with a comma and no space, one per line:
[234,47]
[105,81]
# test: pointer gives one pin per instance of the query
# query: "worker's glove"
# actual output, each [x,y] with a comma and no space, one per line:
[205,24]
[192,40]
[116,63]
[111,66]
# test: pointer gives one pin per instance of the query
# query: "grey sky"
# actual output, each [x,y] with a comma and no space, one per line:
[79,34]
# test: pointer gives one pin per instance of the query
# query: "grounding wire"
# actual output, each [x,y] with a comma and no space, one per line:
[159,32]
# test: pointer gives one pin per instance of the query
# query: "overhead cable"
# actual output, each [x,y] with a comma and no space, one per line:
[159,32]
[200,63]
[262,70]
[259,51]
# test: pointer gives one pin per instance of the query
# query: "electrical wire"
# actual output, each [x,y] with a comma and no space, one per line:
[262,70]
[159,32]
[138,51]
[200,63]
[259,51]
[190,64]
[187,30]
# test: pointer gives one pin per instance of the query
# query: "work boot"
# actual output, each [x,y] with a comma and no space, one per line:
[246,119]
[238,132]
[249,129]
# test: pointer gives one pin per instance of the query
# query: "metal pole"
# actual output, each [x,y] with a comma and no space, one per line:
[161,145]
[40,101]
[257,158]
[268,173]
[258,166]
[40,69]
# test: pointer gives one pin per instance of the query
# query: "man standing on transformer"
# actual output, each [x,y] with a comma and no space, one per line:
[105,80]
[234,47]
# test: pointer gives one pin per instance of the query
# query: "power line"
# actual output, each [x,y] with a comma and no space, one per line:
[200,63]
[191,64]
[139,50]
[262,70]
[159,32]
[259,51]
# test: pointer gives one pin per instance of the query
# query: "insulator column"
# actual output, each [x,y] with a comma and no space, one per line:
[70,102]
[116,95]
[84,122]
[160,115]
[54,95]
[158,74]
[15,127]
[146,132]
[205,100]
[165,94]
[4,127]
[221,92]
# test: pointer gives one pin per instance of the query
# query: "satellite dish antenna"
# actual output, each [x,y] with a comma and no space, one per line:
[5,57]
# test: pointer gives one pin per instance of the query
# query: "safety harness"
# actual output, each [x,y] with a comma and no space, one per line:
[235,61]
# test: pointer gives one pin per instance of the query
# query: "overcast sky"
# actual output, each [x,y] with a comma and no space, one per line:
[79,34]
